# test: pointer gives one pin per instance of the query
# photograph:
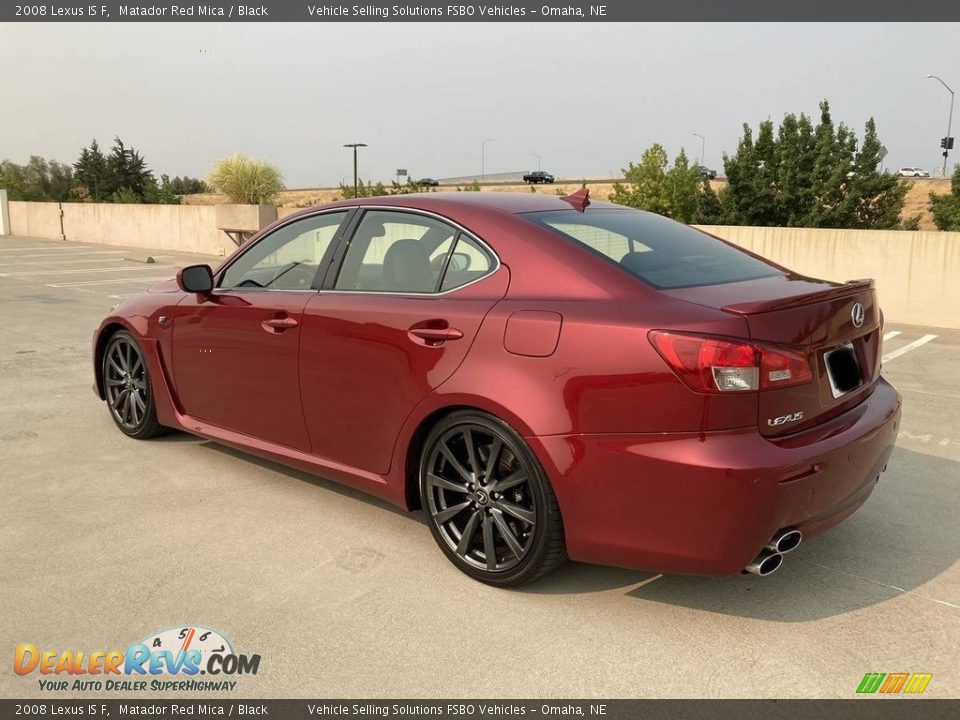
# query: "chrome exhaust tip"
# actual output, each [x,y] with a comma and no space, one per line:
[784,541]
[766,563]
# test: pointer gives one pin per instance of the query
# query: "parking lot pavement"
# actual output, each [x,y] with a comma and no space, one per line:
[105,540]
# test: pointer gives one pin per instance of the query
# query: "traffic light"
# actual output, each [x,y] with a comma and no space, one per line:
[946,143]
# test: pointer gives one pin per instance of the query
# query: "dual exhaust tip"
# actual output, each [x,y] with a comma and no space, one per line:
[771,557]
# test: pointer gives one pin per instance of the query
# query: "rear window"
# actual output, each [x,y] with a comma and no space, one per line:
[661,252]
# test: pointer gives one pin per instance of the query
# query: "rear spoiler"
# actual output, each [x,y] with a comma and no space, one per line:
[851,287]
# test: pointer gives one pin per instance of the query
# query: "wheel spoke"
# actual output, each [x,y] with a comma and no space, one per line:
[507,534]
[495,447]
[489,548]
[113,383]
[115,402]
[521,513]
[438,481]
[126,408]
[116,367]
[461,470]
[471,452]
[127,349]
[469,530]
[516,478]
[137,363]
[450,512]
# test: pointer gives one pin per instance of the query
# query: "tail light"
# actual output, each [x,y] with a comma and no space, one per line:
[708,364]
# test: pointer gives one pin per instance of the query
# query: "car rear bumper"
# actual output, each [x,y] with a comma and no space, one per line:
[707,503]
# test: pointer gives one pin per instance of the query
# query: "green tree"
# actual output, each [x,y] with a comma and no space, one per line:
[127,170]
[806,176]
[91,174]
[656,186]
[646,183]
[946,208]
[39,180]
[709,210]
[245,180]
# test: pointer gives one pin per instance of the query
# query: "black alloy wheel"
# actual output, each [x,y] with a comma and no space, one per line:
[127,389]
[488,502]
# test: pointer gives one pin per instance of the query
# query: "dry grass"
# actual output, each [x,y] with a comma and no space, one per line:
[917,202]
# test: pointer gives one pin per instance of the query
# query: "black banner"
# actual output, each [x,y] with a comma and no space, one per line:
[854,709]
[519,11]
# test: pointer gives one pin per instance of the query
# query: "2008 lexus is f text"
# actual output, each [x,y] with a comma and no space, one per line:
[544,377]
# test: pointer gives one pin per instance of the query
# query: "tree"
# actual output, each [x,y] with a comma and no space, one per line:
[946,208]
[186,185]
[91,175]
[675,191]
[127,170]
[806,176]
[245,180]
[709,210]
[39,180]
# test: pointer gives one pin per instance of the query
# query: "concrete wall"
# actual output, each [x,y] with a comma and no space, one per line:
[35,219]
[181,228]
[917,273]
[4,213]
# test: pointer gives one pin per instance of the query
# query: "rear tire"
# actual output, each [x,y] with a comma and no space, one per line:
[488,502]
[127,388]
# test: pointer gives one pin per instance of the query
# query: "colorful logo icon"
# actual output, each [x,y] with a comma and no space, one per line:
[894,683]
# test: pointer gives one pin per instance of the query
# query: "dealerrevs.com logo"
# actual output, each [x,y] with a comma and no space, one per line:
[189,658]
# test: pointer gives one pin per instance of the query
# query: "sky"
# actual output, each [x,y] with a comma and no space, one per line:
[588,98]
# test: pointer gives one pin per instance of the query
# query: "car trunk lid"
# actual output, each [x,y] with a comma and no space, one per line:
[836,326]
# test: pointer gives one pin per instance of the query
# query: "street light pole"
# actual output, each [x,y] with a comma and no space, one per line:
[703,146]
[355,146]
[537,156]
[483,152]
[946,149]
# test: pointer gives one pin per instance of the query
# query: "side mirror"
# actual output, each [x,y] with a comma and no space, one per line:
[195,279]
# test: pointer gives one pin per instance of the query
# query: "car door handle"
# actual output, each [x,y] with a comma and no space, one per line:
[279,324]
[436,335]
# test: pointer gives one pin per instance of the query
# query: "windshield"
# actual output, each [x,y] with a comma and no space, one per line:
[659,251]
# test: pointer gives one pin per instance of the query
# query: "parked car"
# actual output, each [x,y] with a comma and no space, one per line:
[428,182]
[546,378]
[538,176]
[912,172]
[707,173]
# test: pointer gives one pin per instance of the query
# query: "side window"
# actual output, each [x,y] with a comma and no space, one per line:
[288,258]
[395,251]
[469,262]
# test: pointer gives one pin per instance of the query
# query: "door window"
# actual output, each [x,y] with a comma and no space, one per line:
[288,258]
[395,252]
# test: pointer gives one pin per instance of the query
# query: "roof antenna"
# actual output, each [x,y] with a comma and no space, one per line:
[580,199]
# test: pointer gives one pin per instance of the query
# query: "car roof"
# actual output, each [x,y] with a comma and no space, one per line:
[441,202]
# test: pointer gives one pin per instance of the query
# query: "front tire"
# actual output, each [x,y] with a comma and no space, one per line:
[127,388]
[488,502]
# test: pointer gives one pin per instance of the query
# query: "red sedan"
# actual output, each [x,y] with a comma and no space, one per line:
[545,377]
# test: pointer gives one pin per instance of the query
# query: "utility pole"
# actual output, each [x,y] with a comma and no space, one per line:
[483,150]
[537,156]
[945,144]
[355,146]
[703,146]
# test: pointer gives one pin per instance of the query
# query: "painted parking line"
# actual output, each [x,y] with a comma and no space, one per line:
[58,261]
[907,348]
[68,253]
[82,271]
[112,281]
[892,334]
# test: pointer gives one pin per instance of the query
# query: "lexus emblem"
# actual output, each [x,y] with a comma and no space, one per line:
[857,314]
